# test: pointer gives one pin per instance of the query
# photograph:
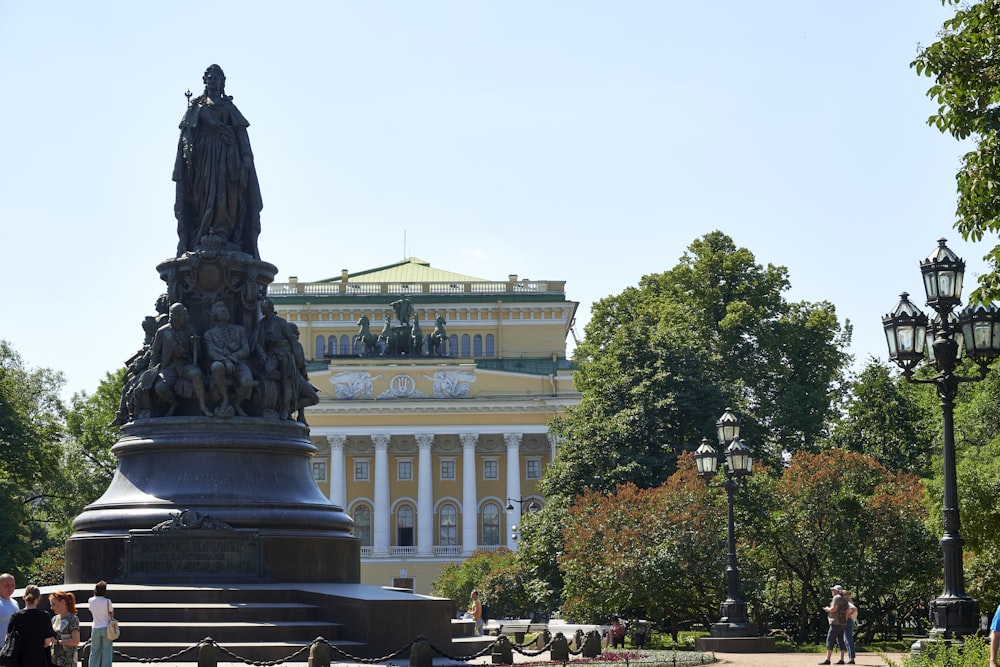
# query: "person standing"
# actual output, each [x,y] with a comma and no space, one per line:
[837,616]
[994,637]
[35,630]
[852,617]
[101,648]
[8,607]
[476,609]
[617,633]
[66,625]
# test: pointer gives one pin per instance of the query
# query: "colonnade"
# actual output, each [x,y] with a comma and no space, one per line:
[424,543]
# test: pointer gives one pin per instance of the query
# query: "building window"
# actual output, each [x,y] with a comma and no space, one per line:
[345,345]
[331,345]
[452,346]
[448,526]
[363,525]
[490,346]
[491,468]
[320,346]
[466,351]
[319,471]
[404,526]
[361,470]
[533,468]
[447,468]
[477,345]
[404,470]
[491,524]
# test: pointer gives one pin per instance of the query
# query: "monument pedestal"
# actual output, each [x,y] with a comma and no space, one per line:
[211,499]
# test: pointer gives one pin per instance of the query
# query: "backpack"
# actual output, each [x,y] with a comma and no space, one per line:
[486,613]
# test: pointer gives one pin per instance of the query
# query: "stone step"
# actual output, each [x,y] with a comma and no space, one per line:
[120,593]
[133,612]
[226,631]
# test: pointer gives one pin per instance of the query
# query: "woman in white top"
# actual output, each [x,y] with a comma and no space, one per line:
[102,611]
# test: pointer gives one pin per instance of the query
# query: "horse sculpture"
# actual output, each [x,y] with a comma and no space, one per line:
[369,341]
[437,338]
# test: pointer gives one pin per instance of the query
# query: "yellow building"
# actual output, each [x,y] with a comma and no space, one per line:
[428,448]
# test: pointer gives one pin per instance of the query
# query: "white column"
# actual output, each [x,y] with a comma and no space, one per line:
[553,445]
[470,502]
[513,442]
[338,481]
[425,495]
[380,520]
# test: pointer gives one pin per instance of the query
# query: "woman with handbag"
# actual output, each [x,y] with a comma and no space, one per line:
[102,612]
[35,634]
[66,625]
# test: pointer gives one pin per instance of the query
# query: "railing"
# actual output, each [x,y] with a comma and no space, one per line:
[402,551]
[439,550]
[369,289]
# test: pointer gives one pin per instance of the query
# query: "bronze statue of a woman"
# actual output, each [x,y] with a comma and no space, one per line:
[218,197]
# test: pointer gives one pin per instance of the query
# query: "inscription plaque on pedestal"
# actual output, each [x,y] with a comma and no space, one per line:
[202,554]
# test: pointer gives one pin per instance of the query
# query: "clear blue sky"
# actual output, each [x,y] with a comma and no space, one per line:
[567,140]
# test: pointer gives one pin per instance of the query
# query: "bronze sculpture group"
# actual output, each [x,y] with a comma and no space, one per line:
[177,364]
[195,359]
[405,339]
[216,348]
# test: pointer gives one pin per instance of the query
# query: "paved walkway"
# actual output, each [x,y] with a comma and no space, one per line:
[724,660]
[801,659]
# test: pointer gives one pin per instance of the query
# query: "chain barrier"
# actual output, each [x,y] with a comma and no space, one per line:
[165,658]
[368,661]
[256,663]
[464,658]
[520,648]
[523,650]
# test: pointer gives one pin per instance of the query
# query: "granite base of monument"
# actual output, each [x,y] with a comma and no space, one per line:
[225,500]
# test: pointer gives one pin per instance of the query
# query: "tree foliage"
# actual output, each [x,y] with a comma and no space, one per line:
[965,65]
[90,465]
[977,444]
[667,543]
[661,361]
[31,429]
[884,419]
[841,517]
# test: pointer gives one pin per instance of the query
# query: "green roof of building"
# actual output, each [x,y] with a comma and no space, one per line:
[409,270]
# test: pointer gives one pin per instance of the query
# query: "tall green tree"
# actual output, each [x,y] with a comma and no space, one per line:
[657,553]
[965,65]
[884,419]
[840,517]
[649,388]
[661,361]
[31,431]
[90,465]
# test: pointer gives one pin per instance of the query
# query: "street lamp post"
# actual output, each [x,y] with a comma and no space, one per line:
[738,462]
[533,505]
[976,331]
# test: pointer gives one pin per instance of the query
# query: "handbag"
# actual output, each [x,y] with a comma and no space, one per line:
[11,650]
[113,630]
